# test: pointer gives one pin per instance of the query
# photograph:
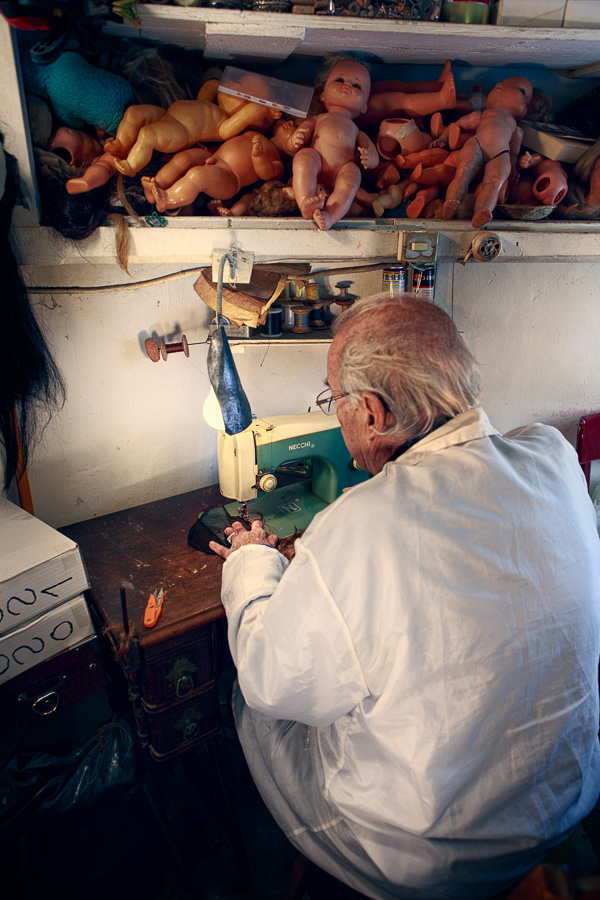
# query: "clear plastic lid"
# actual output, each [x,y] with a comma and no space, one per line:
[290,98]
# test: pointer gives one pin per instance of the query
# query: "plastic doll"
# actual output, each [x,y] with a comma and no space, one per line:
[550,184]
[494,148]
[237,163]
[145,128]
[335,138]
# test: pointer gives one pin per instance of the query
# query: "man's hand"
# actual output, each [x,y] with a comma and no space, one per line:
[239,537]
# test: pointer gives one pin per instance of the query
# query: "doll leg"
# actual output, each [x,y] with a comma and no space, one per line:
[215,180]
[425,196]
[172,171]
[135,117]
[495,176]
[167,136]
[306,168]
[249,114]
[441,174]
[346,184]
[398,103]
[96,175]
[469,162]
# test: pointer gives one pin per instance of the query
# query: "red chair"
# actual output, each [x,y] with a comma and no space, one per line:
[588,442]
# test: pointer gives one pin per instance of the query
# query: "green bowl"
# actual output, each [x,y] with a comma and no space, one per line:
[466,13]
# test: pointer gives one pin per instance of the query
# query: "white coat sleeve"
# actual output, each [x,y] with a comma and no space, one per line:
[293,651]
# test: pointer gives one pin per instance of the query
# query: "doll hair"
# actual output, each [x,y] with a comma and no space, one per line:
[270,200]
[31,386]
[579,183]
[539,108]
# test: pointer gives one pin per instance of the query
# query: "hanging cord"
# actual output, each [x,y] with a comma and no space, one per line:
[231,260]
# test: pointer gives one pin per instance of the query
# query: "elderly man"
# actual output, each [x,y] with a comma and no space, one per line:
[418,696]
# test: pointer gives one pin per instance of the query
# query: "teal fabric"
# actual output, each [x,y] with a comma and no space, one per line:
[78,92]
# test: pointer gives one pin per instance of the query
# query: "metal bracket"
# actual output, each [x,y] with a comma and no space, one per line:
[238,266]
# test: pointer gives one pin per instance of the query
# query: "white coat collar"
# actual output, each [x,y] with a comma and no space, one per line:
[467,426]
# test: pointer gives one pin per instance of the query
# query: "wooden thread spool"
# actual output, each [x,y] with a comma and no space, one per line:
[312,291]
[153,351]
[301,315]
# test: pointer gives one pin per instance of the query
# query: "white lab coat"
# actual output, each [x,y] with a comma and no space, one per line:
[438,631]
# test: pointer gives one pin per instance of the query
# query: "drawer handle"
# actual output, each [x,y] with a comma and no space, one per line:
[190,730]
[184,686]
[46,704]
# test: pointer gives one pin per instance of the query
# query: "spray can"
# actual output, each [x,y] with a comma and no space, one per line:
[393,279]
[424,282]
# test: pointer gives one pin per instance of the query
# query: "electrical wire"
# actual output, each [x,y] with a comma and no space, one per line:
[174,276]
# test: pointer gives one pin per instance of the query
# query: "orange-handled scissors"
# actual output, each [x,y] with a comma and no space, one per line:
[154,608]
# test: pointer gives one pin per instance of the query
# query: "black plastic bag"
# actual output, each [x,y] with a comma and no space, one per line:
[32,782]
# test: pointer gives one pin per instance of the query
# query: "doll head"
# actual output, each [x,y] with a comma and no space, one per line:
[347,89]
[511,95]
[76,147]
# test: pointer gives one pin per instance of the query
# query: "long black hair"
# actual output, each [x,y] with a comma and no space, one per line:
[31,385]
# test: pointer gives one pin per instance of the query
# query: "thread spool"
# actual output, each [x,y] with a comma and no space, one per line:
[301,315]
[155,350]
[273,323]
[312,291]
[315,319]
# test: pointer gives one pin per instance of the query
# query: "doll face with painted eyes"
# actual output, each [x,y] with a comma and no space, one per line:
[512,95]
[76,147]
[347,88]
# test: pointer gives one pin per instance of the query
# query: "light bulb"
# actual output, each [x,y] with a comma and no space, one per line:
[212,412]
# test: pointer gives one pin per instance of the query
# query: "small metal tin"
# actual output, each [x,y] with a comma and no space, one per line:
[393,279]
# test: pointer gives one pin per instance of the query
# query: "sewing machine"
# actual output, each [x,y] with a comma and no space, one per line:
[309,444]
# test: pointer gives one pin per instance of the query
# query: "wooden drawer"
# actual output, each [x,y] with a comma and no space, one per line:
[182,725]
[177,669]
[46,690]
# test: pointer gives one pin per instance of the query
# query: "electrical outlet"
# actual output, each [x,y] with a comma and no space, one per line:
[419,247]
[242,266]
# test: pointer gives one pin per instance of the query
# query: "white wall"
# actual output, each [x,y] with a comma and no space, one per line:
[132,430]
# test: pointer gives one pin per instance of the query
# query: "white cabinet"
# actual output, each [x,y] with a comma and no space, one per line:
[248,37]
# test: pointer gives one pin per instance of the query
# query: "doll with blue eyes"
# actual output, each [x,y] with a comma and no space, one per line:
[335,140]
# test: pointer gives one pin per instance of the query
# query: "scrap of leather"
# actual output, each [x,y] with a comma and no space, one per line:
[248,304]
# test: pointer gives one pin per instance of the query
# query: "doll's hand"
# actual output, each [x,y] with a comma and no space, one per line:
[239,537]
[369,158]
[257,145]
[299,137]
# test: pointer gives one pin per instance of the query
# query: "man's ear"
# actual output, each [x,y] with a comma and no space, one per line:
[376,410]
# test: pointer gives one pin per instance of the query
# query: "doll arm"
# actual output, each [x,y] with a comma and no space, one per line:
[514,148]
[303,133]
[369,157]
[96,175]
[264,166]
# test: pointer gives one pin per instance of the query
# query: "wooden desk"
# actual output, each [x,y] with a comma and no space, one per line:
[172,669]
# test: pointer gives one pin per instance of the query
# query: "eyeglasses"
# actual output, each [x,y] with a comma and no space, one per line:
[326,401]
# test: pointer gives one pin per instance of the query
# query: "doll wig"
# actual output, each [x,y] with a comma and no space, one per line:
[31,386]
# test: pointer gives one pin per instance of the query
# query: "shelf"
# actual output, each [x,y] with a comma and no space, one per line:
[192,242]
[273,37]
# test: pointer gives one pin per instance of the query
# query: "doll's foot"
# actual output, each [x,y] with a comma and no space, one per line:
[447,94]
[218,208]
[124,167]
[323,219]
[481,217]
[147,185]
[416,172]
[445,71]
[377,208]
[312,205]
[450,208]
[414,209]
[161,198]
[437,125]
